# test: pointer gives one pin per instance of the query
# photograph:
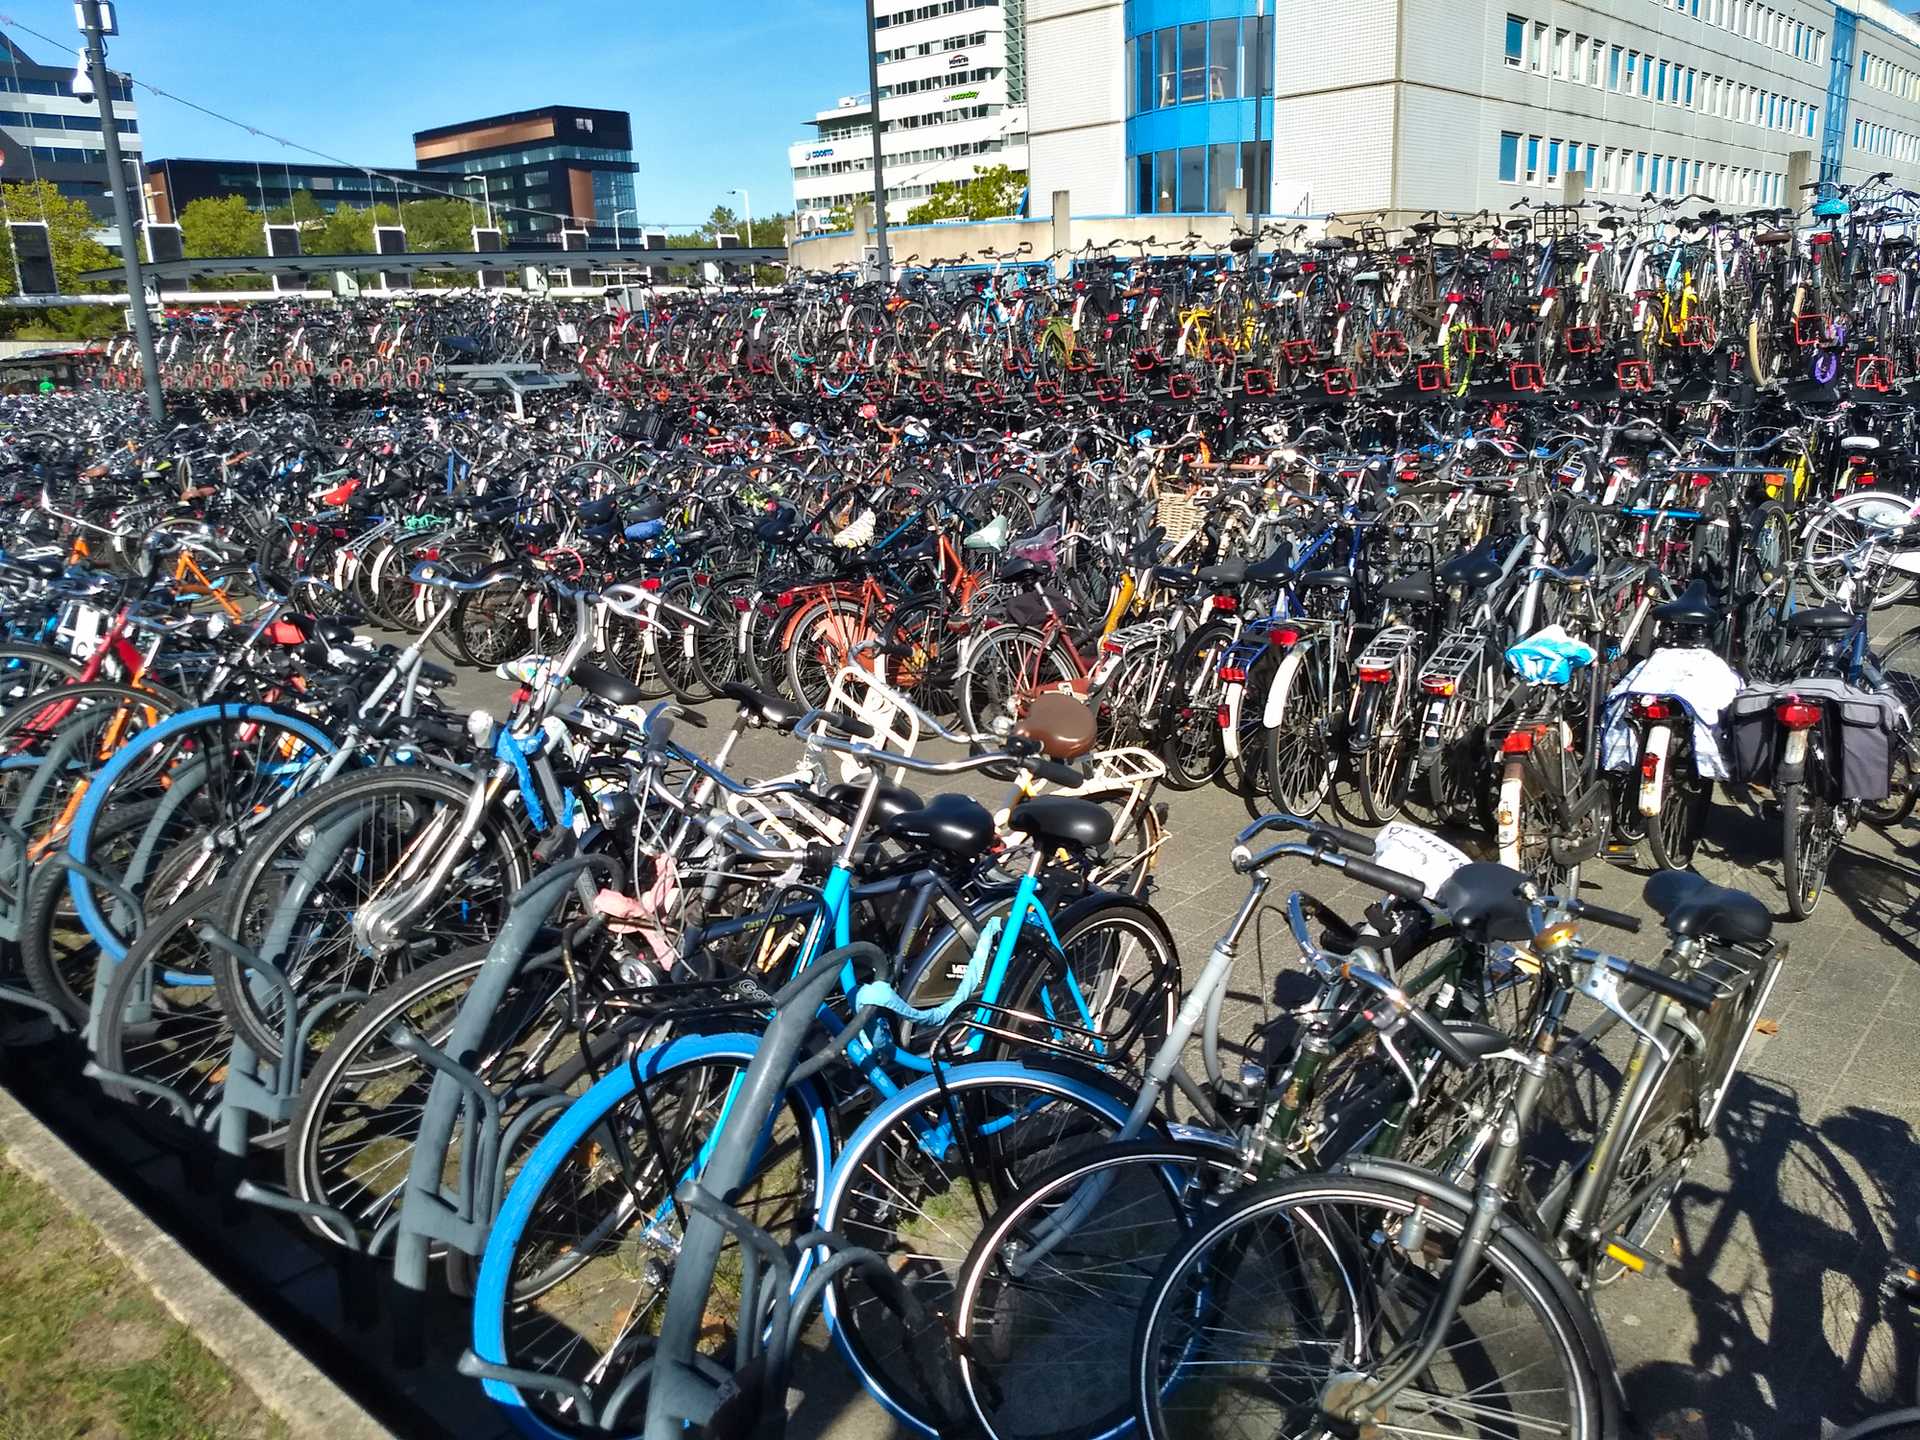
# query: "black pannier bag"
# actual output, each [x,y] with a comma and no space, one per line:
[1751,736]
[1859,727]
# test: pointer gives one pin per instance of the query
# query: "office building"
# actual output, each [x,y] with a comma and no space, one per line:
[540,169]
[49,133]
[953,91]
[1416,105]
[172,185]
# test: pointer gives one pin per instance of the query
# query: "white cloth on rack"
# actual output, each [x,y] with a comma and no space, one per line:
[1700,680]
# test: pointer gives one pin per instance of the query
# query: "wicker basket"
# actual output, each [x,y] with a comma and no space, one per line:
[1179,513]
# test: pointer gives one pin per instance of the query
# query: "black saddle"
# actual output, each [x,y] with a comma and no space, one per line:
[1692,606]
[1023,569]
[1175,577]
[953,824]
[890,802]
[1820,620]
[1483,900]
[1415,589]
[1473,569]
[1693,905]
[605,685]
[1063,820]
[1326,580]
[774,710]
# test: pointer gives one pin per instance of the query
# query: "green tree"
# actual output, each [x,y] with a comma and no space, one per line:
[215,228]
[347,231]
[70,230]
[991,193]
[439,225]
[302,209]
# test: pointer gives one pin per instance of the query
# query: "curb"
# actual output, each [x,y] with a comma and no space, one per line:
[286,1382]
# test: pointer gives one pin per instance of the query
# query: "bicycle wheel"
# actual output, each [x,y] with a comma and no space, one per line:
[30,670]
[923,651]
[918,1181]
[1046,1299]
[308,887]
[1003,670]
[491,626]
[352,1135]
[580,1257]
[1299,761]
[1386,765]
[1191,744]
[1298,1297]
[1895,1425]
[1674,833]
[57,956]
[1116,973]
[1807,835]
[1833,534]
[820,643]
[160,1020]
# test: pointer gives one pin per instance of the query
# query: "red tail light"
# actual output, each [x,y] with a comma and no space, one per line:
[1797,714]
[1454,297]
[1442,688]
[1520,742]
[1374,674]
[1285,636]
[742,604]
[1234,674]
[1224,717]
[1112,647]
[650,582]
[1654,709]
[1649,767]
[785,599]
[1225,604]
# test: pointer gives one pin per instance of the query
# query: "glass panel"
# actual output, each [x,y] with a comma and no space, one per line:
[1516,39]
[1553,161]
[1533,158]
[1509,155]
[1223,68]
[1262,58]
[1193,179]
[1193,63]
[1220,176]
[1163,181]
[1166,68]
[1143,181]
[1254,173]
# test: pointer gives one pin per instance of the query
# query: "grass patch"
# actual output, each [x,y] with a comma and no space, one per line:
[85,1349]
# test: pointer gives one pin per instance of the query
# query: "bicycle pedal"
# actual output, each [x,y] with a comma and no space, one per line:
[1631,1257]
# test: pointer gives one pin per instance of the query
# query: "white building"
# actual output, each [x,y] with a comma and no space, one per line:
[1415,105]
[952,97]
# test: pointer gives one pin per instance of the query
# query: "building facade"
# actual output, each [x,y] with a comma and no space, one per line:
[172,185]
[953,88]
[537,167]
[1145,106]
[49,133]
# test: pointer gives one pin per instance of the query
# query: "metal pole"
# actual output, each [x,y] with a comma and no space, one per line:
[122,212]
[1254,197]
[881,262]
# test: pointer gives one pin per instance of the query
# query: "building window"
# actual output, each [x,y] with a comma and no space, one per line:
[1223,67]
[1193,63]
[1221,176]
[1562,49]
[1256,169]
[1639,171]
[1533,158]
[1143,195]
[1553,161]
[1688,102]
[1660,83]
[1193,179]
[1633,68]
[1537,58]
[1509,156]
[1166,65]
[1258,54]
[1143,73]
[1516,41]
[1613,68]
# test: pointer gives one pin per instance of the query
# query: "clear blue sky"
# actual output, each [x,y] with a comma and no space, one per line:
[716,88]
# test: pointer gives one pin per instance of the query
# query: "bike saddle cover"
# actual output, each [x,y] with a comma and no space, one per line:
[645,529]
[1483,900]
[990,536]
[774,710]
[605,685]
[889,803]
[1550,657]
[1692,606]
[859,534]
[1062,820]
[1691,904]
[1062,725]
[953,824]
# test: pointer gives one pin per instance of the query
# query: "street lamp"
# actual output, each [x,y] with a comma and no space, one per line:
[746,203]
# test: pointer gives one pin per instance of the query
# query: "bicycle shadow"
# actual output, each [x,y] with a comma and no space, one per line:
[1883,894]
[1779,1256]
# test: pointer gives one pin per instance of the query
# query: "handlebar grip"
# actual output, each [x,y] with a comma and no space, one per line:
[1381,878]
[846,724]
[1618,919]
[1690,993]
[1054,772]
[1441,1038]
[1348,840]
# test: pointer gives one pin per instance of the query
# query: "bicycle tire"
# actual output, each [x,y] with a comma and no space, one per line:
[168,1027]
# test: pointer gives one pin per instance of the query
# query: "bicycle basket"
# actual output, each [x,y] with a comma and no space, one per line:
[1179,514]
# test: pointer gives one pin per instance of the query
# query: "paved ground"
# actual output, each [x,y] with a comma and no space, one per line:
[1771,1328]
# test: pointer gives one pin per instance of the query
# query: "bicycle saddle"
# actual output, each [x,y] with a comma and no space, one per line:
[1692,606]
[990,536]
[1017,570]
[1484,902]
[1062,820]
[1148,550]
[1415,589]
[1691,904]
[1820,620]
[1472,569]
[1062,725]
[774,710]
[1326,580]
[953,824]
[1227,572]
[605,685]
[1175,577]
[890,802]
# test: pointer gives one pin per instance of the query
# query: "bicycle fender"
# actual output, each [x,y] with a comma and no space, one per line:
[1282,687]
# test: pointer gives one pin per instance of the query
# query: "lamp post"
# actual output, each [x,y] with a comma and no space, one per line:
[746,203]
[95,26]
[880,260]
